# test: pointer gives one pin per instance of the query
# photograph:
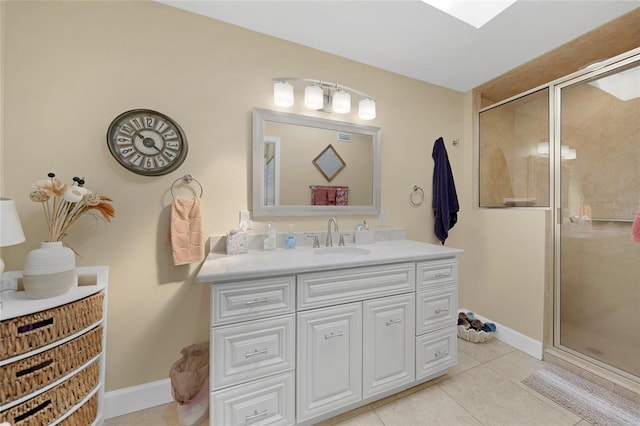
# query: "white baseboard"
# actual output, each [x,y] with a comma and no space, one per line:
[135,398]
[514,338]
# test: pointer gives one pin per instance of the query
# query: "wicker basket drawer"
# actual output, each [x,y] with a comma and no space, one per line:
[52,404]
[84,415]
[29,332]
[35,372]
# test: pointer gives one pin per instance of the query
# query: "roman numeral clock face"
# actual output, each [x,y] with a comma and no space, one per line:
[147,142]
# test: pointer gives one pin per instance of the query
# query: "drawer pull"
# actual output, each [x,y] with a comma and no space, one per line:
[440,354]
[255,415]
[393,321]
[440,310]
[332,335]
[35,325]
[33,411]
[255,352]
[34,368]
[259,300]
[442,274]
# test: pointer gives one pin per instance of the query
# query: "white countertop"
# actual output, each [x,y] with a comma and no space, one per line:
[219,268]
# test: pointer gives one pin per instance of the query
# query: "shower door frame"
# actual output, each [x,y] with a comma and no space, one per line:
[555,170]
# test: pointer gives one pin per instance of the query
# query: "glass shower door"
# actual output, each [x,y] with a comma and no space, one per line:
[599,193]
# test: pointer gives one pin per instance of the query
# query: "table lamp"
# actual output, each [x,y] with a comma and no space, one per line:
[10,227]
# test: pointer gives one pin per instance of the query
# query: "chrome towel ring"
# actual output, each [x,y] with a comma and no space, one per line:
[417,196]
[187,179]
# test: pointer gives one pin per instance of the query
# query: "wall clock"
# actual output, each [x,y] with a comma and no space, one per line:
[147,142]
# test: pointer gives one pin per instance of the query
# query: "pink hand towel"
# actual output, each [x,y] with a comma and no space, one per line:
[187,242]
[635,228]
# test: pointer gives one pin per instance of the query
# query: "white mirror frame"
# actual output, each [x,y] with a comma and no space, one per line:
[260,210]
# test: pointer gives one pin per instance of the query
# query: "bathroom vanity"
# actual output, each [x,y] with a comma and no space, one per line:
[299,336]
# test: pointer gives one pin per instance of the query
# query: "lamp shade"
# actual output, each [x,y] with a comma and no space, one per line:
[341,102]
[283,94]
[313,97]
[10,227]
[367,109]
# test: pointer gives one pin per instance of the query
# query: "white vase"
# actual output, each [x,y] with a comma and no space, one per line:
[49,271]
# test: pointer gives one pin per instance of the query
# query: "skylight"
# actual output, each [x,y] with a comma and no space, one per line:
[473,12]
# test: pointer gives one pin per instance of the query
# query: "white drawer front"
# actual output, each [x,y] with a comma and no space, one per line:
[326,288]
[268,401]
[434,274]
[252,350]
[436,309]
[252,299]
[436,352]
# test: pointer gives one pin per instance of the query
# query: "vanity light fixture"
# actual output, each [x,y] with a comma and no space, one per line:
[323,96]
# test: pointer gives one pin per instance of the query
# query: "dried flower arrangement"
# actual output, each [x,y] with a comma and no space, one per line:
[64,204]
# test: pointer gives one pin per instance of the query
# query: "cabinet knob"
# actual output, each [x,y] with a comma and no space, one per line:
[440,310]
[393,321]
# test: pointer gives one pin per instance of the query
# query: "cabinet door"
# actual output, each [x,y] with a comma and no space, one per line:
[329,369]
[388,343]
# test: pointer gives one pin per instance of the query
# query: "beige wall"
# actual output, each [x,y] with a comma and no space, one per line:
[72,67]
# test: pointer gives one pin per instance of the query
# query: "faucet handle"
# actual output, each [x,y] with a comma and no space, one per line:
[316,241]
[341,241]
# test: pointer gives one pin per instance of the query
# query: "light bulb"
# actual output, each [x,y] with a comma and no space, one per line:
[367,109]
[313,97]
[283,94]
[341,102]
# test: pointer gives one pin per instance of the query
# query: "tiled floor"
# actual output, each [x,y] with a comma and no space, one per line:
[483,389]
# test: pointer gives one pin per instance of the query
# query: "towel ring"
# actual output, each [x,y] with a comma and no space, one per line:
[187,179]
[413,196]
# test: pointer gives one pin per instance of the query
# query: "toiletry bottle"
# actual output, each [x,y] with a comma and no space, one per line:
[270,241]
[290,241]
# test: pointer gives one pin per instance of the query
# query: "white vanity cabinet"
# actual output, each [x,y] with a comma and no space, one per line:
[253,352]
[348,352]
[297,338]
[437,317]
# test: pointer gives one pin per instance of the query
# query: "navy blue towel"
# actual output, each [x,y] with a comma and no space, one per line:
[445,199]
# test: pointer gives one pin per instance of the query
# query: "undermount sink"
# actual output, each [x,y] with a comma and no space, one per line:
[342,251]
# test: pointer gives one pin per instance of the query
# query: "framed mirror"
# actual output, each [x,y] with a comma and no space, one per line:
[289,181]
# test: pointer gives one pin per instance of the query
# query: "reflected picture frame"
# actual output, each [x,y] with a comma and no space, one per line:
[329,162]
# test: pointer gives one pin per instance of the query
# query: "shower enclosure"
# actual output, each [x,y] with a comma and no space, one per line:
[573,147]
[597,193]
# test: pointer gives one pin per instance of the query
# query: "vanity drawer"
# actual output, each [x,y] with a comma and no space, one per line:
[252,350]
[268,401]
[437,273]
[436,309]
[327,288]
[253,299]
[436,351]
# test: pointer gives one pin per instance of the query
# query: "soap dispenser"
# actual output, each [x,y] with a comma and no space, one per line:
[270,241]
[290,241]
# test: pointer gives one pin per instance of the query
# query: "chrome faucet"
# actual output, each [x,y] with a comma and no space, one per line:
[329,242]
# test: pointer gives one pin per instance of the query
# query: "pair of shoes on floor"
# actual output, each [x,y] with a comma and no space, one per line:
[468,321]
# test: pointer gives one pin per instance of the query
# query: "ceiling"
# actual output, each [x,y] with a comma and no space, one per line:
[416,40]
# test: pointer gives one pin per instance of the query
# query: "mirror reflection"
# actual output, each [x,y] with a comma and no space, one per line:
[310,166]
